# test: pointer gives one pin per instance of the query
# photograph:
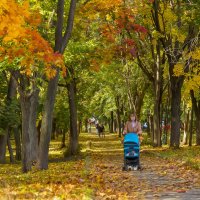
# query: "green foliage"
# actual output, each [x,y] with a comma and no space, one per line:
[146,140]
[61,112]
[10,114]
[9,111]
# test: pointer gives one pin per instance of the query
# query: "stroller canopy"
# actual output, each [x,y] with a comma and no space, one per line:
[131,137]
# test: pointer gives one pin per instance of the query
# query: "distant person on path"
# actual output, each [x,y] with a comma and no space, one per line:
[133,126]
[100,129]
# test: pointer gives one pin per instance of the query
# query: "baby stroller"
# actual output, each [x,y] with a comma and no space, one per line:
[131,152]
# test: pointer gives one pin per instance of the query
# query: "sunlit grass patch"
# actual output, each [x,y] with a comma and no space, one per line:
[188,156]
[62,179]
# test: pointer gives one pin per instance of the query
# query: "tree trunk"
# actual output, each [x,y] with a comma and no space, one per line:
[12,91]
[118,116]
[156,125]
[156,116]
[29,103]
[60,45]
[46,127]
[186,129]
[26,143]
[175,113]
[39,130]
[167,122]
[157,96]
[63,138]
[115,126]
[73,136]
[3,141]
[139,99]
[53,137]
[10,150]
[111,122]
[17,143]
[151,124]
[33,129]
[164,131]
[191,127]
[86,126]
[196,108]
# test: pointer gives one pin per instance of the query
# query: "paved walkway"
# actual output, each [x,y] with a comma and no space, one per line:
[177,187]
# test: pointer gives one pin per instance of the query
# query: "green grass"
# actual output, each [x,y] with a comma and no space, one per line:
[188,156]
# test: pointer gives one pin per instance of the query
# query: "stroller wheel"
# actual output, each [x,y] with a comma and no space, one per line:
[130,168]
[139,167]
[135,168]
[124,168]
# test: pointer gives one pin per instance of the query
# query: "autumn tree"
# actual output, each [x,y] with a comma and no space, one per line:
[20,39]
[176,36]
[61,42]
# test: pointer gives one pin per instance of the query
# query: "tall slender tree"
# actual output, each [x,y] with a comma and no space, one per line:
[61,42]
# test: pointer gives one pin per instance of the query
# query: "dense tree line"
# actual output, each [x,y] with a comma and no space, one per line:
[107,59]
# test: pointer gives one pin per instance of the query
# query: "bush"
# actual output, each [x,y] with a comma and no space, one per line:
[146,140]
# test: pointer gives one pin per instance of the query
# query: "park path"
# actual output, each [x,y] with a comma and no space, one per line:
[159,179]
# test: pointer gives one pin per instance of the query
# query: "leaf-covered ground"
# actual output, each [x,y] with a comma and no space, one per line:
[97,174]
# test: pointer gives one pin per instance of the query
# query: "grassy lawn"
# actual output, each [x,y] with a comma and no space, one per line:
[188,156]
[185,155]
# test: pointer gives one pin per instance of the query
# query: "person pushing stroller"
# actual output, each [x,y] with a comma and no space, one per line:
[133,125]
[132,134]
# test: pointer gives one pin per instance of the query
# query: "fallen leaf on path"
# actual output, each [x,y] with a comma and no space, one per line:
[181,191]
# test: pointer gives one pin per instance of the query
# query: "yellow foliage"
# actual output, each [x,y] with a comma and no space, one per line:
[169,16]
[192,84]
[156,34]
[20,38]
[108,17]
[12,19]
[196,80]
[195,54]
[179,69]
[92,8]
[177,33]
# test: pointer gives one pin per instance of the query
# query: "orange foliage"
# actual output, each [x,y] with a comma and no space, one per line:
[94,65]
[19,38]
[101,6]
[117,27]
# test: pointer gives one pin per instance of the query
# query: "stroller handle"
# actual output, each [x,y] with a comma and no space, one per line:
[131,133]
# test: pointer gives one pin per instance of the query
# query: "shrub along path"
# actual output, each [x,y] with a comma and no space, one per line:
[97,174]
